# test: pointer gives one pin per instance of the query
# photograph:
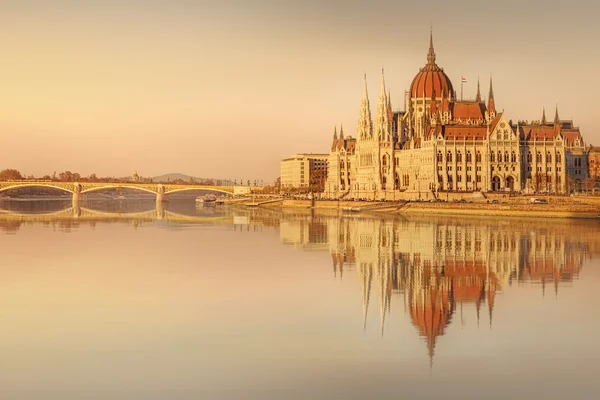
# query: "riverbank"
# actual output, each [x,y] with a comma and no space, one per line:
[573,209]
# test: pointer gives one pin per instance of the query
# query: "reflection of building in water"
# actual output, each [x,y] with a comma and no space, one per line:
[309,233]
[439,266]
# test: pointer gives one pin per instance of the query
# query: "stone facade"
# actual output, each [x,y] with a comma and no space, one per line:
[440,144]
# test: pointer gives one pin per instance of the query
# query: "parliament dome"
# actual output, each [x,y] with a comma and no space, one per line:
[431,78]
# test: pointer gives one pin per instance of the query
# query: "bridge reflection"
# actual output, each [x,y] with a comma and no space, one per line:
[11,220]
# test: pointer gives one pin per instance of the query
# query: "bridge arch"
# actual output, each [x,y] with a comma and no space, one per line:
[116,186]
[207,188]
[36,184]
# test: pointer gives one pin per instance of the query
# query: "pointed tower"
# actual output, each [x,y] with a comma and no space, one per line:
[431,52]
[556,118]
[383,124]
[341,132]
[365,123]
[478,96]
[335,133]
[544,116]
[491,102]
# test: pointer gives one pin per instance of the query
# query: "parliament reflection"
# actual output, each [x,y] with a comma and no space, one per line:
[439,265]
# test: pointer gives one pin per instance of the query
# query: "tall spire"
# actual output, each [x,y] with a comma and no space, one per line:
[383,128]
[431,53]
[335,133]
[491,102]
[365,123]
[341,132]
[544,116]
[478,97]
[556,118]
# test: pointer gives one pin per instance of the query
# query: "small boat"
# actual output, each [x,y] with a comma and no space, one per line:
[351,209]
[120,197]
[206,200]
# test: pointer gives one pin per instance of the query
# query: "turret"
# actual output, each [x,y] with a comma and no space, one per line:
[544,116]
[478,96]
[365,123]
[491,102]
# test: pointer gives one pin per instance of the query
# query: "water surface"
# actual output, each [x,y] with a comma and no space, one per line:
[121,300]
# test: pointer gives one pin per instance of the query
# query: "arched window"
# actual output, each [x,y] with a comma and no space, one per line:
[548,157]
[439,156]
[558,157]
[478,157]
[492,156]
[458,156]
[449,157]
[506,156]
[499,156]
[513,157]
[469,158]
[538,157]
[529,157]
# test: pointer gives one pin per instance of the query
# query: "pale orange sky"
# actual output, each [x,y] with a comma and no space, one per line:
[227,89]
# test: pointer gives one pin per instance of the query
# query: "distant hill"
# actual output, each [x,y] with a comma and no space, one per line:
[176,176]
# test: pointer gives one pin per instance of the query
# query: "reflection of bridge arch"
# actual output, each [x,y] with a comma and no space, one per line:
[87,214]
[65,188]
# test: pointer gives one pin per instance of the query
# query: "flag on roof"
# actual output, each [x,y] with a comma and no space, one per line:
[463,79]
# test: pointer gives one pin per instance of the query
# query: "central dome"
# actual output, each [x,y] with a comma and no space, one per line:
[431,78]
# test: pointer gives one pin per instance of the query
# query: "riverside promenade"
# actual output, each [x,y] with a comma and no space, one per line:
[555,207]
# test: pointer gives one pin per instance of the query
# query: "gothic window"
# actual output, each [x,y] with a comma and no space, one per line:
[513,157]
[506,156]
[538,157]
[449,157]
[499,157]
[458,156]
[529,157]
[478,157]
[469,159]
[558,157]
[439,156]
[492,156]
[548,157]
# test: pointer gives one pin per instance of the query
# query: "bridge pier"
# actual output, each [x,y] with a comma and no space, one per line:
[76,195]
[160,194]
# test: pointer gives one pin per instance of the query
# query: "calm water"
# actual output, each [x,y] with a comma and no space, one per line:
[118,300]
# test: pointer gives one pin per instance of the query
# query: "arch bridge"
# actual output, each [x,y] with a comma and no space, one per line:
[161,190]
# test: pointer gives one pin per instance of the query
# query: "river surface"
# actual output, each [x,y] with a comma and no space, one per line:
[121,300]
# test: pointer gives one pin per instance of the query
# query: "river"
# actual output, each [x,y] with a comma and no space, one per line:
[122,300]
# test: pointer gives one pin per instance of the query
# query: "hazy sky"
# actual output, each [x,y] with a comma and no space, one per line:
[226,89]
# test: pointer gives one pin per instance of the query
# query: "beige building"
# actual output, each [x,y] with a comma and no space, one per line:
[442,144]
[304,171]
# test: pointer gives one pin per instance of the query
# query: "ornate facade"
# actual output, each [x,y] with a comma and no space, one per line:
[440,144]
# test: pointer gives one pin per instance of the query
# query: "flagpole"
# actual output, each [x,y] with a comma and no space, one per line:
[461,88]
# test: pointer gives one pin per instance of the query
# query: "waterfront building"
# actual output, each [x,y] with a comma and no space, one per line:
[440,143]
[304,171]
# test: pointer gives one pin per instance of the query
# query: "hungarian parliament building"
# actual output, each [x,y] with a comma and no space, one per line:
[442,144]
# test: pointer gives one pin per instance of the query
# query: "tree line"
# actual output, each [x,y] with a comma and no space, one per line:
[68,176]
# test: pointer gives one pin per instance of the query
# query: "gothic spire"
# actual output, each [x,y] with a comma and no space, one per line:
[383,122]
[544,116]
[556,118]
[491,102]
[365,123]
[341,132]
[478,97]
[335,133]
[431,53]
